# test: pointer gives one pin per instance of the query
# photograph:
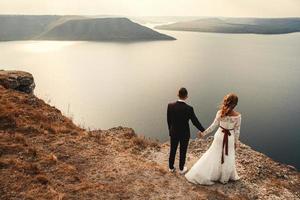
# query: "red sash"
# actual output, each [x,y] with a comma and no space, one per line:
[225,142]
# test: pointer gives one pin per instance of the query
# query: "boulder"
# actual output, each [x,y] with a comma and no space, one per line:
[17,80]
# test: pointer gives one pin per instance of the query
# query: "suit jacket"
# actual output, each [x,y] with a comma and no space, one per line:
[178,115]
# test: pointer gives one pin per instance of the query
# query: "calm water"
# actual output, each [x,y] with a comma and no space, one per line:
[103,85]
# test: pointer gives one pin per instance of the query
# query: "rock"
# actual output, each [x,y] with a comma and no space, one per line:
[17,80]
[292,167]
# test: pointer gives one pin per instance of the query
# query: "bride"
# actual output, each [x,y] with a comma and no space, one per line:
[218,162]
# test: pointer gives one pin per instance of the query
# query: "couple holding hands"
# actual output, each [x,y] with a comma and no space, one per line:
[218,162]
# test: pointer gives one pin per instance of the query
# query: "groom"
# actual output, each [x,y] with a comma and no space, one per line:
[178,115]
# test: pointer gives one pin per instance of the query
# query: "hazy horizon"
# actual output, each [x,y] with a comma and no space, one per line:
[153,8]
[149,16]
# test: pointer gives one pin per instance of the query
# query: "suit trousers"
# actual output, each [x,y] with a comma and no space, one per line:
[183,142]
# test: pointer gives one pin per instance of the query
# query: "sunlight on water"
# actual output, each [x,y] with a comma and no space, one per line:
[45,46]
[104,84]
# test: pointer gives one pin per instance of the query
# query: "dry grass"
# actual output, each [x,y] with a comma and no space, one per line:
[142,143]
[42,179]
[19,138]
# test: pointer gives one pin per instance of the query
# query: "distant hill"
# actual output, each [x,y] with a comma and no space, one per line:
[102,29]
[237,25]
[23,27]
[47,27]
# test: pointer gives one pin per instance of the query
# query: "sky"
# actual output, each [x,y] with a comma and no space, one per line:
[228,8]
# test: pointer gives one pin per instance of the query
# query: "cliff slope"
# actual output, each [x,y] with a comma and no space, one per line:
[43,155]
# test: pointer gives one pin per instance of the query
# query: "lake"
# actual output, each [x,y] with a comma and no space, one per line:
[106,84]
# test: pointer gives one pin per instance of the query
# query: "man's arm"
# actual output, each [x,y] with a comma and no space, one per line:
[195,121]
[169,117]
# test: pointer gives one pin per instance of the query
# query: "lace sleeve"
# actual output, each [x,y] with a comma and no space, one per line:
[214,125]
[237,128]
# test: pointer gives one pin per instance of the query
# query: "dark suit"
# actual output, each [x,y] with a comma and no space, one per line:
[178,116]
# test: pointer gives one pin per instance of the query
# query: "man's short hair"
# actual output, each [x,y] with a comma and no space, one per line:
[182,93]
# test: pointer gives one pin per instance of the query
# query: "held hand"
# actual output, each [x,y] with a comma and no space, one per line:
[236,145]
[200,134]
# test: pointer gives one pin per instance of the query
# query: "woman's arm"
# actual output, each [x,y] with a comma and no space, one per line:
[214,125]
[237,128]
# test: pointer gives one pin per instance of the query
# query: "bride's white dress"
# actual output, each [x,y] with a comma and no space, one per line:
[211,166]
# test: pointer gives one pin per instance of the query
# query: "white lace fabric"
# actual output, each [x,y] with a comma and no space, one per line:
[209,167]
[228,122]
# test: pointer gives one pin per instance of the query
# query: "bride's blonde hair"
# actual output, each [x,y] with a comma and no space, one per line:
[229,103]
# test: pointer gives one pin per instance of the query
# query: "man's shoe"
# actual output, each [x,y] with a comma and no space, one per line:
[172,170]
[183,171]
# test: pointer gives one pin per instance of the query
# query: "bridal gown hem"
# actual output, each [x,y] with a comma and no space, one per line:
[209,167]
